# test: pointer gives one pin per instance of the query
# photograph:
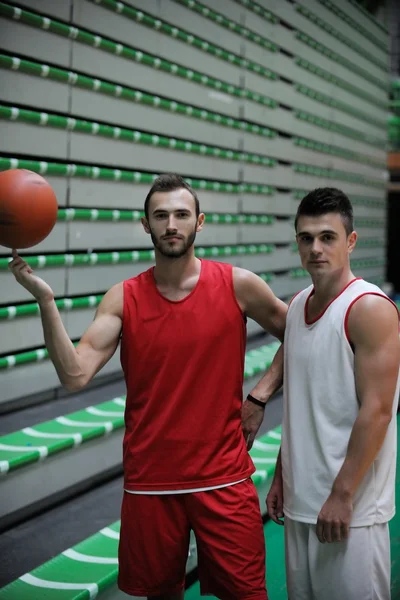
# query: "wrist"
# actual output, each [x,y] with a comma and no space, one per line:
[278,479]
[256,401]
[45,302]
[261,395]
[342,491]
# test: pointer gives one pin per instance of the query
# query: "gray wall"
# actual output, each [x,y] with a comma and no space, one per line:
[71,100]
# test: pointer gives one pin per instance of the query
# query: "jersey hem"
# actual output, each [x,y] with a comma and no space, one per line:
[190,491]
[354,523]
[175,486]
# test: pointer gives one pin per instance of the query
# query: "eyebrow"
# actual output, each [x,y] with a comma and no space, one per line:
[330,231]
[164,210]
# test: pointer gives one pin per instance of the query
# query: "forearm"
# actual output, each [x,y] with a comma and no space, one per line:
[366,439]
[272,381]
[278,467]
[60,348]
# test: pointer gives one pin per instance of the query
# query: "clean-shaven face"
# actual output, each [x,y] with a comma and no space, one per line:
[323,243]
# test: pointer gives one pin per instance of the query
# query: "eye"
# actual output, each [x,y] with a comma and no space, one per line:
[306,239]
[328,237]
[182,215]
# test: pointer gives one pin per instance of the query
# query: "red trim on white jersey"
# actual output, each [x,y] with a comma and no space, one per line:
[296,294]
[327,306]
[346,318]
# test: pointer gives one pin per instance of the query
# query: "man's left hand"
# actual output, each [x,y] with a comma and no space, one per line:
[334,519]
[252,417]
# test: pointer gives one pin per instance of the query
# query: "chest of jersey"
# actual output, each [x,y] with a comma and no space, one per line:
[163,329]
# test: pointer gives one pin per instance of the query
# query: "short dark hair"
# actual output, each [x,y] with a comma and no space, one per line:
[326,200]
[168,182]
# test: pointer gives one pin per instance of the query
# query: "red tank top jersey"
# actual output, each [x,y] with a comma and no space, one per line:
[183,364]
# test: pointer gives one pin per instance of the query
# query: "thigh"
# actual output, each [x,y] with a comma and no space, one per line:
[153,546]
[296,555]
[356,568]
[230,542]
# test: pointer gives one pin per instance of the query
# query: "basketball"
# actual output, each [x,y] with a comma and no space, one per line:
[28,208]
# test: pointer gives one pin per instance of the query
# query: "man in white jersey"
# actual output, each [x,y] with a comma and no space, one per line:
[334,480]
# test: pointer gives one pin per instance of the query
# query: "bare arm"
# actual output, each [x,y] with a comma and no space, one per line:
[75,366]
[258,302]
[272,381]
[253,414]
[275,494]
[374,332]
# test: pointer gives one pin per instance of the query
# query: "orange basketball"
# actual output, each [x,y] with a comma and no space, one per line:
[28,208]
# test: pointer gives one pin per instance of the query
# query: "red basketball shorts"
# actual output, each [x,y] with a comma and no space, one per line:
[154,543]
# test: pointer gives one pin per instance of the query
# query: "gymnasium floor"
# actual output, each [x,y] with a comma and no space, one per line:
[275,552]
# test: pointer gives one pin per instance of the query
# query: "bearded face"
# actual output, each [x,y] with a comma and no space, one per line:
[172,222]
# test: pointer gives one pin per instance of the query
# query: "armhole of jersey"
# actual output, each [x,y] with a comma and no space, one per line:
[296,294]
[346,318]
[232,286]
[124,291]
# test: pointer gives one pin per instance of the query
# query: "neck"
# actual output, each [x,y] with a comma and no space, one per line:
[173,272]
[329,286]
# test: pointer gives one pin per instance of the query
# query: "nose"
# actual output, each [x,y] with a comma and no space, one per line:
[316,247]
[171,226]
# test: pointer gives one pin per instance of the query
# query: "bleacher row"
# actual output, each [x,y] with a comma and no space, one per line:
[394,116]
[254,103]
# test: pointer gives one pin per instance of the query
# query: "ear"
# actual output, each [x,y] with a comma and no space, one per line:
[200,222]
[351,241]
[145,224]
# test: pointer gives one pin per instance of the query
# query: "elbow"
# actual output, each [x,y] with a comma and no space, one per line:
[382,423]
[280,331]
[385,417]
[74,379]
[382,416]
[384,412]
[74,385]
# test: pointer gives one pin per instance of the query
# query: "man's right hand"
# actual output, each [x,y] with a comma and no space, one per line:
[23,273]
[275,501]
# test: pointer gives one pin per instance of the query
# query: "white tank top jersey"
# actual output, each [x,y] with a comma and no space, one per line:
[320,408]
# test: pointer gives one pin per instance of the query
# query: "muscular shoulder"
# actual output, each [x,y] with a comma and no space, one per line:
[246,284]
[113,300]
[258,301]
[243,277]
[371,320]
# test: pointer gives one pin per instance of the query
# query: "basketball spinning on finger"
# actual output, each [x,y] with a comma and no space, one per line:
[28,208]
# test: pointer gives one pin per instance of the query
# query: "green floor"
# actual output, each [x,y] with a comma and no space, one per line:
[276,558]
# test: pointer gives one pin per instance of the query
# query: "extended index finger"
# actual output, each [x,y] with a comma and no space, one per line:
[14,253]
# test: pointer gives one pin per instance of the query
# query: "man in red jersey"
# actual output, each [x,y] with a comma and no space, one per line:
[185,450]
